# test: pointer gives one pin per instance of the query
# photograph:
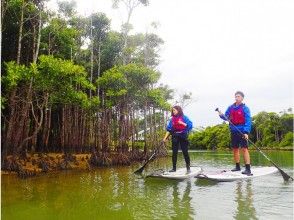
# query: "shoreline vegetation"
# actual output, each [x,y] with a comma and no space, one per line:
[30,165]
[37,163]
[270,129]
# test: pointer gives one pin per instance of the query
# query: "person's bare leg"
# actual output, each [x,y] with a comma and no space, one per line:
[236,155]
[246,155]
[236,159]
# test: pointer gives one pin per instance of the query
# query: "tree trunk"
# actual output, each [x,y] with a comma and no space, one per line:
[132,128]
[20,33]
[92,55]
[48,111]
[145,127]
[154,130]
[62,128]
[83,126]
[23,118]
[11,122]
[36,52]
[38,123]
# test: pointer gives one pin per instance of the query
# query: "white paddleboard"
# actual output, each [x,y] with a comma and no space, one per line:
[228,176]
[180,174]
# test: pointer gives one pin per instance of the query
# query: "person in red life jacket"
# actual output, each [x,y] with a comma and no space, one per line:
[179,126]
[239,115]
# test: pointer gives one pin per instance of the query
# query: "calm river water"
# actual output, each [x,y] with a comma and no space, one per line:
[116,193]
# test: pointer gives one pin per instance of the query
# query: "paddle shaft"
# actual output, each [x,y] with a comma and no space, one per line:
[150,158]
[285,175]
[140,170]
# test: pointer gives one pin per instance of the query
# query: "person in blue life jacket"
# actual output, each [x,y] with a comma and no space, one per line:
[178,127]
[239,115]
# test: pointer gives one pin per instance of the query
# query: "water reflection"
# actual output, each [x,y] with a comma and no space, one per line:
[116,193]
[182,206]
[244,199]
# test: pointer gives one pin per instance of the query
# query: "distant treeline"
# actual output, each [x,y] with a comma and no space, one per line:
[269,129]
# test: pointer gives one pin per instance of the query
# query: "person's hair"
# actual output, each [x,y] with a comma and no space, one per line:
[239,93]
[179,109]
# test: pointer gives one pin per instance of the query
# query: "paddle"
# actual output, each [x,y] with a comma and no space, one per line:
[286,177]
[140,170]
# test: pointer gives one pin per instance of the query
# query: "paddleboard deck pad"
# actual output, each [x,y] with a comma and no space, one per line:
[228,176]
[180,173]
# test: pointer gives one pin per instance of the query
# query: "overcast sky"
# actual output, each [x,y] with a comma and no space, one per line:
[213,48]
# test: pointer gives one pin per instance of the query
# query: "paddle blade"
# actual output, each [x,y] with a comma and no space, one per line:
[285,176]
[139,171]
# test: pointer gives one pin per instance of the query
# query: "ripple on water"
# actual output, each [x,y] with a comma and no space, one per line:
[117,193]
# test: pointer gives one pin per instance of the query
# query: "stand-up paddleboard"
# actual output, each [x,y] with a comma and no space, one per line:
[180,174]
[228,176]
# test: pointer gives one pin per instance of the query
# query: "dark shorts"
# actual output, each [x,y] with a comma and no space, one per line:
[238,140]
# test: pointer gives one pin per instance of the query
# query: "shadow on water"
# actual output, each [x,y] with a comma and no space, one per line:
[205,182]
[244,199]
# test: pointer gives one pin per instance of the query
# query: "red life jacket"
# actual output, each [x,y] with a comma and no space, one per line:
[176,125]
[237,116]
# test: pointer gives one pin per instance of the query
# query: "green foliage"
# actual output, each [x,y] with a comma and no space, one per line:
[139,76]
[287,141]
[211,138]
[100,26]
[110,49]
[113,82]
[61,79]
[67,8]
[157,97]
[15,74]
[73,50]
[3,102]
[132,82]
[11,19]
[59,39]
[270,128]
[143,49]
[286,121]
[273,130]
[54,70]
[149,45]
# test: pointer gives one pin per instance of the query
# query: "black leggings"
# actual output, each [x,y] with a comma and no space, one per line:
[183,142]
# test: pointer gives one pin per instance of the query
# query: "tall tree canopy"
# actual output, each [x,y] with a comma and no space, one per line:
[71,84]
